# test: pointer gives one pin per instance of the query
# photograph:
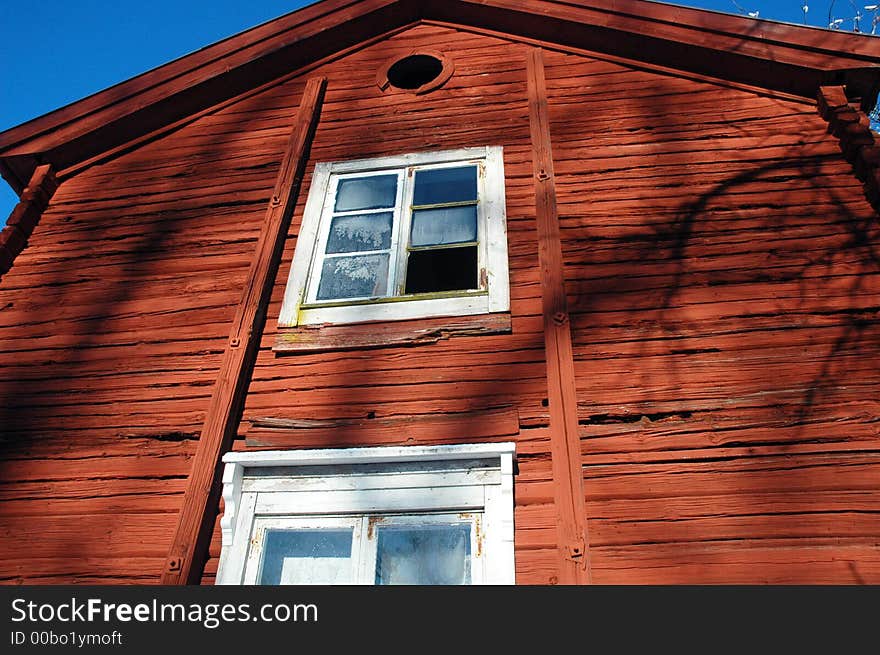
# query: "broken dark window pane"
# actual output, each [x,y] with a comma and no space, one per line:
[424,555]
[373,192]
[431,227]
[443,269]
[441,185]
[359,276]
[360,232]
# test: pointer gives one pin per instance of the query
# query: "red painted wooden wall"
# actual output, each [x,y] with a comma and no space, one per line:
[721,264]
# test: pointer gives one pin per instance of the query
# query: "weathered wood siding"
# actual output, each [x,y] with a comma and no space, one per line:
[483,104]
[112,322]
[722,268]
[721,264]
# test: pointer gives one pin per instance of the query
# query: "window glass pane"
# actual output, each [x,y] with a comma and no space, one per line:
[359,276]
[432,227]
[436,185]
[312,556]
[366,193]
[444,269]
[423,555]
[360,232]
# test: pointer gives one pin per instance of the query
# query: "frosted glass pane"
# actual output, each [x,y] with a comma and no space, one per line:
[360,232]
[307,557]
[424,555]
[437,185]
[366,193]
[432,227]
[358,276]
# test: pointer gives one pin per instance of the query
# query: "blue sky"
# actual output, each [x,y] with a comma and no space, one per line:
[55,52]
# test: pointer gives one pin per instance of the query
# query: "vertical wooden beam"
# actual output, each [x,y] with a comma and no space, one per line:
[25,215]
[196,521]
[564,442]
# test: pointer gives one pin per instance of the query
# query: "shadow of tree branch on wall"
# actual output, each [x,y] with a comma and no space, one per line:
[114,322]
[724,329]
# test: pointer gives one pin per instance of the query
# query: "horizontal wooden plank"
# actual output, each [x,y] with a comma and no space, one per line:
[90,490]
[81,536]
[94,569]
[772,524]
[322,338]
[742,505]
[537,567]
[776,473]
[41,510]
[133,466]
[62,445]
[782,561]
[289,433]
[726,365]
[528,405]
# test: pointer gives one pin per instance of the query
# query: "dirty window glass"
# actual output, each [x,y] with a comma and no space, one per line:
[431,227]
[358,276]
[424,555]
[378,191]
[313,556]
[360,232]
[443,185]
[396,232]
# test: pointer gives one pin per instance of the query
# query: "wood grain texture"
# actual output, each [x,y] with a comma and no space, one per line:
[427,377]
[25,215]
[858,142]
[722,278]
[574,567]
[466,376]
[323,338]
[417,430]
[106,372]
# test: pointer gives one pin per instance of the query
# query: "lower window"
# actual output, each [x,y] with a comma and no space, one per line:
[418,515]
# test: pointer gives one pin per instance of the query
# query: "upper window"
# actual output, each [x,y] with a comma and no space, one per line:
[414,236]
[387,515]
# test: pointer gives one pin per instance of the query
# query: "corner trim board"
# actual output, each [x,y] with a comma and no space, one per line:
[26,214]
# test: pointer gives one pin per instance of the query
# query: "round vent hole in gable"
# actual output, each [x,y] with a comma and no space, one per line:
[414,71]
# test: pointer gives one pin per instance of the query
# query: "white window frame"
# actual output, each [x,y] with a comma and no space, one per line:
[465,481]
[300,306]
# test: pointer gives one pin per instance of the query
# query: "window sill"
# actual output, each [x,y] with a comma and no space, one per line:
[377,334]
[401,308]
[408,298]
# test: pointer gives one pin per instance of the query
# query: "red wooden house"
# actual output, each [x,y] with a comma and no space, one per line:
[460,291]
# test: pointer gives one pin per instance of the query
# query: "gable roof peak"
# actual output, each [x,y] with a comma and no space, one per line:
[780,57]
